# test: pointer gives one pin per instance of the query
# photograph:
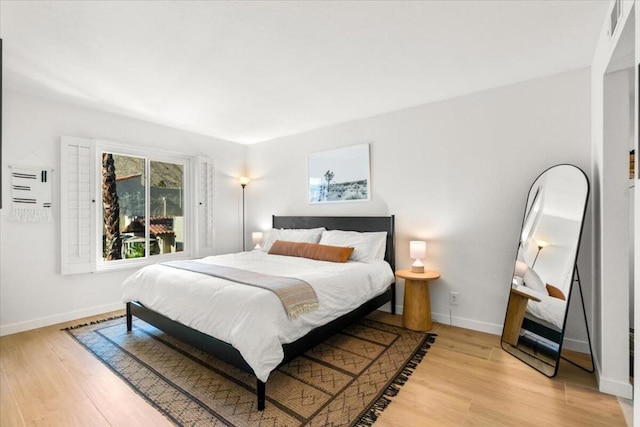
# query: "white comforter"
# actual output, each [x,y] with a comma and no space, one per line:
[249,318]
[548,309]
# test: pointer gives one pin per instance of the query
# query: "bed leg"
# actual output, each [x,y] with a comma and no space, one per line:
[129,319]
[393,298]
[260,393]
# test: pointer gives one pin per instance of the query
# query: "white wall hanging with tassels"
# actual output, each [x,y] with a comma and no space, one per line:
[31,193]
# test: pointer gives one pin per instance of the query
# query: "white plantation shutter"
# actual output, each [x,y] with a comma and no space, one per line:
[77,205]
[204,236]
[80,230]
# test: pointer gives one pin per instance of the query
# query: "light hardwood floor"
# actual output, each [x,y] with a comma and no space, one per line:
[46,378]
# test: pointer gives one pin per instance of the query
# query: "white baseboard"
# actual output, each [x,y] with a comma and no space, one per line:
[461,322]
[28,325]
[495,329]
[608,386]
[616,388]
[579,346]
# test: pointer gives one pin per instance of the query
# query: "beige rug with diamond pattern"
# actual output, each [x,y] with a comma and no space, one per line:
[345,381]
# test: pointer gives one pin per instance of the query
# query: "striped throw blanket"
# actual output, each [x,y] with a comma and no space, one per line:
[296,295]
[31,195]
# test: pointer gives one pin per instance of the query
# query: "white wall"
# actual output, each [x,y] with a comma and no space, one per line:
[636,218]
[612,138]
[32,291]
[455,173]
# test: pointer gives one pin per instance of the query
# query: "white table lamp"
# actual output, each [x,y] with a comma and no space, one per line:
[256,237]
[417,251]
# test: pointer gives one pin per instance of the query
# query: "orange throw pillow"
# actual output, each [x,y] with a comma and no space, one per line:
[555,292]
[311,251]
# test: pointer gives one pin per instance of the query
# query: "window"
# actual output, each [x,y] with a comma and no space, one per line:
[137,223]
[122,207]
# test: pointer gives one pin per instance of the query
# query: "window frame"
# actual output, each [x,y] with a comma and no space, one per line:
[80,228]
[150,155]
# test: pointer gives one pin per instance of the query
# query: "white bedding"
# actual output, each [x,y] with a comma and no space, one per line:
[252,319]
[548,309]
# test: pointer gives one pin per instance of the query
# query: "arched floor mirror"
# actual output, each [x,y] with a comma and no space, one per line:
[545,272]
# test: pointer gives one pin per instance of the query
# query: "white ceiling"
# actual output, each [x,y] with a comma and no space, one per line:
[253,71]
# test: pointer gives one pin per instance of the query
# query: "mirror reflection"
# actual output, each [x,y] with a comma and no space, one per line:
[543,273]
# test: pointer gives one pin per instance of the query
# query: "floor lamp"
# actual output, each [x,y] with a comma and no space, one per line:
[243,182]
[541,245]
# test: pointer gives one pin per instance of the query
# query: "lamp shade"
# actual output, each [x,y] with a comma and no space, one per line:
[521,268]
[417,249]
[256,237]
[243,180]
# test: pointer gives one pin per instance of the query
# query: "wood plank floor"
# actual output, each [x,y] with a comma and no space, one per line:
[46,378]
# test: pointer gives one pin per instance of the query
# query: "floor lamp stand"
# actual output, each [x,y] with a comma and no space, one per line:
[243,239]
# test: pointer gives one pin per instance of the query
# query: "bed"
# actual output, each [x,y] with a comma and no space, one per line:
[545,313]
[545,309]
[296,341]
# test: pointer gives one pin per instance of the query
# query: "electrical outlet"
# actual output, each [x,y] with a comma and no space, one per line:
[453,298]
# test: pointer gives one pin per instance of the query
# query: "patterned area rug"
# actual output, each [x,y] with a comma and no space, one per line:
[345,381]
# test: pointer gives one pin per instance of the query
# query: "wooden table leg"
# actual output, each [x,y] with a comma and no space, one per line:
[417,305]
[513,322]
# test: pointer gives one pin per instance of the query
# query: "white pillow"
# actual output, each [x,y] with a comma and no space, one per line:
[308,235]
[377,242]
[533,281]
[361,246]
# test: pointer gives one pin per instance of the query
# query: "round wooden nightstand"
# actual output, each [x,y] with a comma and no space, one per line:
[416,313]
[516,308]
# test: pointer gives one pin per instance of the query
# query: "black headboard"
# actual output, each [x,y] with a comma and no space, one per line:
[347,223]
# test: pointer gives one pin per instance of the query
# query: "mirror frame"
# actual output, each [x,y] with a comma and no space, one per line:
[574,277]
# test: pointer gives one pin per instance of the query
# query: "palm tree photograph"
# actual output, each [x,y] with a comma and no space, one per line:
[340,175]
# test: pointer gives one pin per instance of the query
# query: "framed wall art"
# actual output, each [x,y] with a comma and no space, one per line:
[339,175]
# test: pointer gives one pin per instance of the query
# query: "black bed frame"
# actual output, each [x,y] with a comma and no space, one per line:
[542,330]
[229,354]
